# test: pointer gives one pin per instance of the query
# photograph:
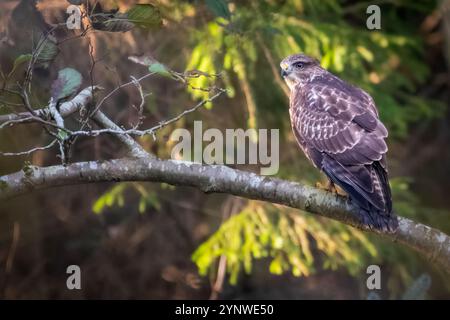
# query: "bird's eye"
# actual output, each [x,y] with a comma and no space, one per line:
[298,65]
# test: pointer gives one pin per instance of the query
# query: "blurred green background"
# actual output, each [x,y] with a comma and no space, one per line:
[142,240]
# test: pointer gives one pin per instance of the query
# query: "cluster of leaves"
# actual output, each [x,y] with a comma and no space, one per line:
[45,52]
[115,196]
[145,16]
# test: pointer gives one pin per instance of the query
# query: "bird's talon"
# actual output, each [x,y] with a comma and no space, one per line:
[320,186]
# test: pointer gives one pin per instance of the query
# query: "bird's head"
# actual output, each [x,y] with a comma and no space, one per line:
[298,69]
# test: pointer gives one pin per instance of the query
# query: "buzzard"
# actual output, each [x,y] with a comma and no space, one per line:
[338,128]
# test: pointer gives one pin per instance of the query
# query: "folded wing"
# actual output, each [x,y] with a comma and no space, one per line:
[339,130]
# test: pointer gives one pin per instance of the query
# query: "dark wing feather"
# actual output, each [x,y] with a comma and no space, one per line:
[338,128]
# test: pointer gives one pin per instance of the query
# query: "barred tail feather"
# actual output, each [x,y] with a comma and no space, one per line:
[376,219]
[375,209]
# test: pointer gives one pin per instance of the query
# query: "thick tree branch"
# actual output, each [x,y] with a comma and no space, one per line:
[432,243]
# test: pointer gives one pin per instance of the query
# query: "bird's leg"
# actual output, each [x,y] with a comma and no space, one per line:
[331,187]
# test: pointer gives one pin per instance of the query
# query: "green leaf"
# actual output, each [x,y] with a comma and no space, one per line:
[48,51]
[160,69]
[99,205]
[142,205]
[117,22]
[67,83]
[144,16]
[152,200]
[110,198]
[219,8]
[153,65]
[276,267]
[365,53]
[62,134]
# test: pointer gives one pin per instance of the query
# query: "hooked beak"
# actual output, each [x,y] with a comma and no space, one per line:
[284,70]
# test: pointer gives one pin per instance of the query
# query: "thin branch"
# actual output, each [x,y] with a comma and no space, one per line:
[431,243]
[28,152]
[185,112]
[140,108]
[134,147]
[15,119]
[150,131]
[109,95]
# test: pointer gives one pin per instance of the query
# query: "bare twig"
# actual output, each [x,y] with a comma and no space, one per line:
[109,95]
[150,131]
[16,119]
[140,108]
[28,152]
[134,148]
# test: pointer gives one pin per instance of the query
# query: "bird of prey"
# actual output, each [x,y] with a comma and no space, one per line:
[337,127]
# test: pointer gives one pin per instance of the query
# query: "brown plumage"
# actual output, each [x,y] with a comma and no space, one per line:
[338,128]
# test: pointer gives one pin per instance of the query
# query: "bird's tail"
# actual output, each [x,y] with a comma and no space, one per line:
[377,219]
